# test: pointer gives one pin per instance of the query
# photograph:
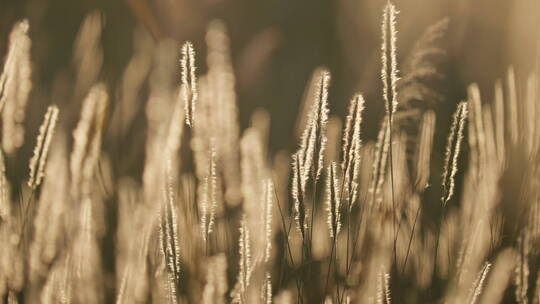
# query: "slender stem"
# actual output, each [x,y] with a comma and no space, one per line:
[286,231]
[355,242]
[410,239]
[438,237]
[348,235]
[329,265]
[392,190]
[284,227]
[26,208]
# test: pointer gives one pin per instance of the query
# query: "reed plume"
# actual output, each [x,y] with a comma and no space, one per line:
[420,88]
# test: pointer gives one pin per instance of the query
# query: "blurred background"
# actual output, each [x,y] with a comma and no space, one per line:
[277,44]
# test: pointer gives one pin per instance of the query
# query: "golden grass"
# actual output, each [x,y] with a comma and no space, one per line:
[212,219]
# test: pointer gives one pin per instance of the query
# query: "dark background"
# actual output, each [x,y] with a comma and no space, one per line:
[276,45]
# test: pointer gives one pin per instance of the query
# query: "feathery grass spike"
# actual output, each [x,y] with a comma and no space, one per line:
[245,256]
[208,193]
[453,149]
[169,224]
[352,144]
[38,160]
[268,204]
[479,283]
[189,81]
[387,292]
[213,189]
[381,157]
[266,290]
[389,72]
[299,208]
[333,201]
[314,135]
